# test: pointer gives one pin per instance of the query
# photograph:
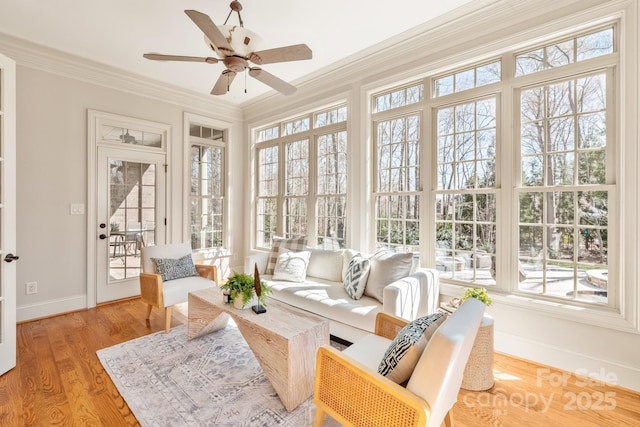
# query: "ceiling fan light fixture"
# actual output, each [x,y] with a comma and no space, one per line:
[242,41]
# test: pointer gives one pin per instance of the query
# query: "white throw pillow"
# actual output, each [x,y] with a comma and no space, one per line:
[405,350]
[326,264]
[386,268]
[291,266]
[355,279]
[295,244]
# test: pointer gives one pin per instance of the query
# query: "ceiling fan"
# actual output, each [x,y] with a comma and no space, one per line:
[236,47]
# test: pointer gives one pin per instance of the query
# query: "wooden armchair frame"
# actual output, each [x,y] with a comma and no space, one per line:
[151,290]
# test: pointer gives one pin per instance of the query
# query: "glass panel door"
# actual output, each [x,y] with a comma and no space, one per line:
[131,212]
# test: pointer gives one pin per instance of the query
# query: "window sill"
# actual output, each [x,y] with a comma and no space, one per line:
[601,316]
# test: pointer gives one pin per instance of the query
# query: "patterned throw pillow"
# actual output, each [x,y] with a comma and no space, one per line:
[355,278]
[170,268]
[405,350]
[295,244]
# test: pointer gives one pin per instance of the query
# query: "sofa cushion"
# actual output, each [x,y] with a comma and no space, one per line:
[405,350]
[291,266]
[295,244]
[327,299]
[355,279]
[386,268]
[171,269]
[326,264]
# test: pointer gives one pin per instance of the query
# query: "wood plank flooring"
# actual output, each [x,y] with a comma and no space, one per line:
[60,382]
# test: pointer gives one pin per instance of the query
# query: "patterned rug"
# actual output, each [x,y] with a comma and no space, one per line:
[213,380]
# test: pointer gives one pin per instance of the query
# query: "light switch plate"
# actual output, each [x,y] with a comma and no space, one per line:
[76,209]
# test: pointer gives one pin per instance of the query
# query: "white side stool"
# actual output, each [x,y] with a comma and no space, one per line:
[478,374]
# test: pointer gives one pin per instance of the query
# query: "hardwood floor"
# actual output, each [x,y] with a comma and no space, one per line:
[60,382]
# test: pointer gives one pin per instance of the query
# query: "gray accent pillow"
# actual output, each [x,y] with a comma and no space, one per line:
[355,278]
[171,269]
[295,244]
[405,350]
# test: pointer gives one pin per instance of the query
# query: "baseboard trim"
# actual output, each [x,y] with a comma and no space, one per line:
[50,308]
[576,363]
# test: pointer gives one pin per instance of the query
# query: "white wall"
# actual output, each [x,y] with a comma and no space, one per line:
[586,341]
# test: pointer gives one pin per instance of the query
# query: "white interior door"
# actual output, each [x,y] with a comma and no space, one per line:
[130,215]
[7,214]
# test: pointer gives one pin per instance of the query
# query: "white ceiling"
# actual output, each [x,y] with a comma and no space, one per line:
[118,32]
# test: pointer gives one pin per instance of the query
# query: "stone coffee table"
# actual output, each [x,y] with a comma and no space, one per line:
[284,340]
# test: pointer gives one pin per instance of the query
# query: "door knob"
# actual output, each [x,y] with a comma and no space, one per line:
[11,257]
[103,236]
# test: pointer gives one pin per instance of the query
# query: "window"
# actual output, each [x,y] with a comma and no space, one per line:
[465,203]
[398,183]
[522,201]
[564,196]
[468,79]
[207,186]
[302,179]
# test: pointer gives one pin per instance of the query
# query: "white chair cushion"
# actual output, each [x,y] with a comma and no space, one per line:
[177,291]
[438,374]
[369,350]
[173,250]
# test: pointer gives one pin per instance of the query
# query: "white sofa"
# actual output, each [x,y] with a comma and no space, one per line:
[350,319]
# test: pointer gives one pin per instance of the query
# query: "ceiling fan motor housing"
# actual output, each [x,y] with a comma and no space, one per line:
[235,63]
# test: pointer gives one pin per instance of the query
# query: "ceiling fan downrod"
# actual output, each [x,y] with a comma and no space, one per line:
[235,7]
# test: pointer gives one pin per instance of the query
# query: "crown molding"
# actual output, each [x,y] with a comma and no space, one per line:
[477,30]
[42,58]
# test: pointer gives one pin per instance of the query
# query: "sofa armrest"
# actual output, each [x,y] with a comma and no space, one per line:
[259,258]
[207,271]
[151,289]
[413,296]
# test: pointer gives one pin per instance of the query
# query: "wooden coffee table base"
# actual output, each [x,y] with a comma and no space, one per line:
[284,340]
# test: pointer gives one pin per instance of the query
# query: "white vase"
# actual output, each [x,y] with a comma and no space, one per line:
[237,302]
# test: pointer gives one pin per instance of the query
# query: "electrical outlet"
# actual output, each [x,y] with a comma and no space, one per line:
[32,288]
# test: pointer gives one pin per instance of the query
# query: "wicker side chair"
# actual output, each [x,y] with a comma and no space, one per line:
[349,389]
[157,293]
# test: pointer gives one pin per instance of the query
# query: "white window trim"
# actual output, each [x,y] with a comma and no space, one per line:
[226,127]
[625,313]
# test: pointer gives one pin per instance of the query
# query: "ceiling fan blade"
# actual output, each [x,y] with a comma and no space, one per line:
[296,52]
[209,29]
[161,57]
[271,80]
[224,81]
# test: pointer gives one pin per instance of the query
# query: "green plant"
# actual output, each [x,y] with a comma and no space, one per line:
[243,284]
[477,293]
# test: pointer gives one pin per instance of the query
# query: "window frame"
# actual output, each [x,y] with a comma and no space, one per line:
[615,313]
[311,198]
[224,127]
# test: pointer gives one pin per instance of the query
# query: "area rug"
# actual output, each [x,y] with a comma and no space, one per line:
[213,380]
